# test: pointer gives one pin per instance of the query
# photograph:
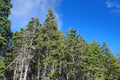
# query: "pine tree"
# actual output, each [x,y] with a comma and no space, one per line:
[24,50]
[111,64]
[50,22]
[71,44]
[5,31]
[41,52]
[35,64]
[94,62]
[52,39]
[99,61]
[82,46]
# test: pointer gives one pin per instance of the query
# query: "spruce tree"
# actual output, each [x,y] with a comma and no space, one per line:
[24,51]
[98,61]
[71,53]
[42,52]
[111,64]
[82,46]
[52,39]
[5,31]
[93,65]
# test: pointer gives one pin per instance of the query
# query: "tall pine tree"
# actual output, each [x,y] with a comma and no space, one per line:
[5,32]
[111,64]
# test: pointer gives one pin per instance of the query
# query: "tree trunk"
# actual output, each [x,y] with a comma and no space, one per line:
[44,73]
[38,75]
[67,77]
[15,72]
[21,74]
[26,70]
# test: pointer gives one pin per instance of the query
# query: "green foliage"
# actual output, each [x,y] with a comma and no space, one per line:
[2,41]
[50,22]
[50,55]
[2,67]
[111,63]
[5,32]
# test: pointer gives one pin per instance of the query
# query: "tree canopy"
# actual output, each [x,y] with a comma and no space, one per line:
[42,52]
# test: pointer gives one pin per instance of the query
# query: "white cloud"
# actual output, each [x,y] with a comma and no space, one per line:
[23,10]
[109,4]
[114,5]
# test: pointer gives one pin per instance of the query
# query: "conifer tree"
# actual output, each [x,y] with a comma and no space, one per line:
[5,31]
[112,64]
[23,49]
[52,39]
[41,52]
[72,53]
[93,63]
[98,61]
[81,50]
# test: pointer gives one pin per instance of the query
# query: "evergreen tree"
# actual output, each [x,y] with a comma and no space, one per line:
[53,41]
[41,52]
[5,31]
[81,49]
[50,22]
[112,65]
[23,49]
[71,44]
[93,65]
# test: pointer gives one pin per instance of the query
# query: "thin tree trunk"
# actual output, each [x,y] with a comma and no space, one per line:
[67,77]
[15,71]
[28,59]
[44,73]
[38,75]
[26,70]
[21,74]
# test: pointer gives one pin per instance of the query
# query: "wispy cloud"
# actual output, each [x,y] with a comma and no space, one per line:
[114,5]
[23,10]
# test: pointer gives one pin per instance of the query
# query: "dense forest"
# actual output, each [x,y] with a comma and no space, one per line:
[42,52]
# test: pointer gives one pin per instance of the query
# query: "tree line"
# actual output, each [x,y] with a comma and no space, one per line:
[42,52]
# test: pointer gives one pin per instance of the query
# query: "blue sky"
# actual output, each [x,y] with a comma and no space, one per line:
[94,20]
